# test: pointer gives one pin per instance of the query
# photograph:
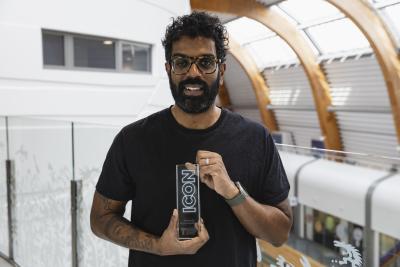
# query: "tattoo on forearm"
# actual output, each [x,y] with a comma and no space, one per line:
[121,231]
[115,228]
[143,243]
[106,203]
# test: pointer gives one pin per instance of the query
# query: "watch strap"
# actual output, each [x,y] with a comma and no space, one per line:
[239,198]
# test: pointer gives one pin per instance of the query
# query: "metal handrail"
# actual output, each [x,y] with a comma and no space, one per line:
[352,158]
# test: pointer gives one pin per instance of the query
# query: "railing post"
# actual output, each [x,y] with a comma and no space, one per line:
[370,244]
[10,177]
[75,194]
[298,208]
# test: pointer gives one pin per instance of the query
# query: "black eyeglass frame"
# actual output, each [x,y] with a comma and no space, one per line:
[194,60]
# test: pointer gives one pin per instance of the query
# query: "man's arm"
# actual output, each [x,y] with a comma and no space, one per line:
[270,223]
[107,222]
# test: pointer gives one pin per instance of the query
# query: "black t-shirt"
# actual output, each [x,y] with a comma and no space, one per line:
[140,166]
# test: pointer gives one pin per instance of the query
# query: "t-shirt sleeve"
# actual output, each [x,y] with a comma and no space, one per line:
[274,186]
[114,181]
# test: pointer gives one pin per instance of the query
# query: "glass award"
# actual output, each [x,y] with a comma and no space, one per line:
[187,200]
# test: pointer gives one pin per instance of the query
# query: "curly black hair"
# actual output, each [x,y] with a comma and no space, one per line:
[194,25]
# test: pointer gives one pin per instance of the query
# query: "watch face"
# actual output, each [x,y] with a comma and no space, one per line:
[241,189]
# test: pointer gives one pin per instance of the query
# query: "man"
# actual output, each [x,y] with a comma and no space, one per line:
[140,166]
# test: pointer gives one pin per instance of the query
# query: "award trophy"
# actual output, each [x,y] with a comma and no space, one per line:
[187,200]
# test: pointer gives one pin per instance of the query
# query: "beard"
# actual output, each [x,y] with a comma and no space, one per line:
[194,104]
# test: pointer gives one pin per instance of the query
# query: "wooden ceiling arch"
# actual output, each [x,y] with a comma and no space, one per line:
[383,45]
[261,90]
[289,33]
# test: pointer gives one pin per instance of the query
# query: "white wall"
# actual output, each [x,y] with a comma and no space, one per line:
[26,88]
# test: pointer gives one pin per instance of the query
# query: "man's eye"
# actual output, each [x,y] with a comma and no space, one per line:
[206,62]
[181,63]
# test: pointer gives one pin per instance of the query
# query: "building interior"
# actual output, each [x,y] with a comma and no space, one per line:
[323,76]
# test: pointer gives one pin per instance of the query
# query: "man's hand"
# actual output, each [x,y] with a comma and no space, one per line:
[271,223]
[168,244]
[107,222]
[214,174]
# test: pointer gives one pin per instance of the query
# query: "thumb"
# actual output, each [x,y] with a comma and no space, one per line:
[174,219]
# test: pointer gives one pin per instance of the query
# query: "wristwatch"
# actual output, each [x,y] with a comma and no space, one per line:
[239,198]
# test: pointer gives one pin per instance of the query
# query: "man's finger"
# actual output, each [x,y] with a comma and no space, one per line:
[208,162]
[208,169]
[190,166]
[174,220]
[202,154]
[195,242]
[202,230]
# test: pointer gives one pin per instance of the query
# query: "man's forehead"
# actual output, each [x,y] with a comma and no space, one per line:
[194,46]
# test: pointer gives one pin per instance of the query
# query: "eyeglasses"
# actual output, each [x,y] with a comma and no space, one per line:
[182,64]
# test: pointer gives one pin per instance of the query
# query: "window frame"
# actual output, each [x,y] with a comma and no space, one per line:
[65,48]
[69,53]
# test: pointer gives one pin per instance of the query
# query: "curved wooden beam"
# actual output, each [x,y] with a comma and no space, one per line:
[383,45]
[261,90]
[289,33]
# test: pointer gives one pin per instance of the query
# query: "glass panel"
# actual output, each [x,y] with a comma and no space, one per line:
[272,51]
[53,49]
[245,30]
[301,11]
[136,57]
[338,36]
[327,238]
[389,251]
[187,200]
[3,189]
[42,152]
[91,145]
[393,12]
[94,53]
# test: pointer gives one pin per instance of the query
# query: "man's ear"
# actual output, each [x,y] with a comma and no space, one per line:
[222,69]
[167,67]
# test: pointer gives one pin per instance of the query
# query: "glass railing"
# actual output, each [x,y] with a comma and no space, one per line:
[352,158]
[47,190]
[50,221]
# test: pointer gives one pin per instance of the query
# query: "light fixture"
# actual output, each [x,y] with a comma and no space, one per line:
[108,42]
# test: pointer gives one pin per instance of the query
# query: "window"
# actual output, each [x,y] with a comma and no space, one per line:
[393,13]
[74,51]
[135,57]
[239,30]
[301,12]
[94,53]
[271,51]
[338,36]
[53,49]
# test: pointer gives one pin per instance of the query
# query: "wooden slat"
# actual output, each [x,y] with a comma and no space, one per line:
[383,45]
[289,33]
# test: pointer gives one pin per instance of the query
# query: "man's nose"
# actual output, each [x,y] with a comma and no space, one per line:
[194,70]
